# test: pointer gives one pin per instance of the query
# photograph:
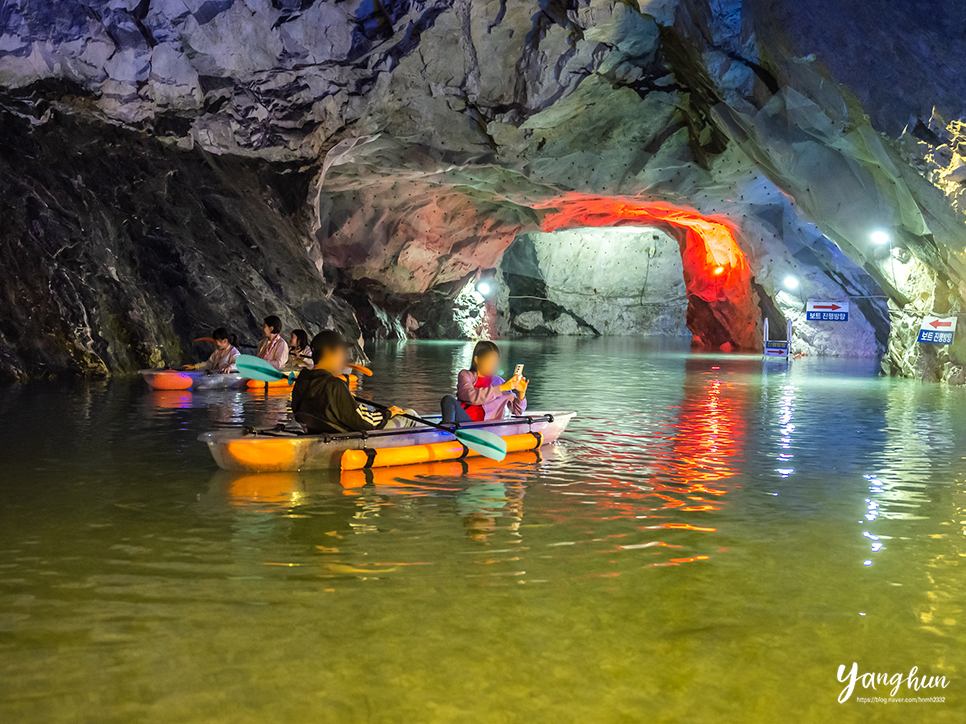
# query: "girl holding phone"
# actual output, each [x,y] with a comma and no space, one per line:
[481,394]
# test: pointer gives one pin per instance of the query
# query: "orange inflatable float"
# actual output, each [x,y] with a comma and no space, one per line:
[432,452]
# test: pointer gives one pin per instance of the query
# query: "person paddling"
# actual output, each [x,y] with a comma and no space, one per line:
[222,360]
[321,401]
[481,394]
[272,348]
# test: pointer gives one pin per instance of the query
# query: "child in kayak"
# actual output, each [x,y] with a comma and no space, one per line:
[321,400]
[222,360]
[481,394]
[272,348]
[299,352]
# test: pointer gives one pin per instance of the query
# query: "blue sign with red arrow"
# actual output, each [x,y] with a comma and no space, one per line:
[827,311]
[937,330]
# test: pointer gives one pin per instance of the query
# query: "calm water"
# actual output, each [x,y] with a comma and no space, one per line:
[709,542]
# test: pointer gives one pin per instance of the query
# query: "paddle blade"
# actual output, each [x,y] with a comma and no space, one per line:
[255,368]
[360,369]
[485,443]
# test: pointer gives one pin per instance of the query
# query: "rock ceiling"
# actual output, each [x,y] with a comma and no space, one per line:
[434,133]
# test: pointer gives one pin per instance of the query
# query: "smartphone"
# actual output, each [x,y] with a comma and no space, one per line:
[518,371]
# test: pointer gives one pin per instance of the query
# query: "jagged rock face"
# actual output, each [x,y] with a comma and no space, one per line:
[898,58]
[438,132]
[254,76]
[803,178]
[117,251]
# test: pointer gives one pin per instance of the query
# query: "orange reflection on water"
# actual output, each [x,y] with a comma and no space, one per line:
[171,399]
[426,478]
[269,489]
[678,477]
[687,470]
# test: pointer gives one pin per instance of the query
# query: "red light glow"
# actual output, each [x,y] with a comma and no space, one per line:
[722,308]
[713,262]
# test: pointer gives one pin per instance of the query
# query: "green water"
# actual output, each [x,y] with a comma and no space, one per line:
[710,541]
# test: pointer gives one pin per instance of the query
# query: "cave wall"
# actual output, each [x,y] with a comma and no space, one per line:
[866,47]
[681,112]
[429,135]
[612,281]
[116,250]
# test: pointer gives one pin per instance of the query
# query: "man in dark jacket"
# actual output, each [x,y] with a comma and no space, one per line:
[321,399]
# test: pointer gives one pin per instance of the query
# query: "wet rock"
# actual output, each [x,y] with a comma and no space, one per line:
[117,251]
[429,136]
[624,281]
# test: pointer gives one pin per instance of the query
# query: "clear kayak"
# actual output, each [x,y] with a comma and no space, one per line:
[201,380]
[192,380]
[260,385]
[284,451]
[352,380]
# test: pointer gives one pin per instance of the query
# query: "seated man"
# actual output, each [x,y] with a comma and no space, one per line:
[321,399]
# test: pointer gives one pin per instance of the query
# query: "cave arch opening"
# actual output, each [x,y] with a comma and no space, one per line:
[586,280]
[608,266]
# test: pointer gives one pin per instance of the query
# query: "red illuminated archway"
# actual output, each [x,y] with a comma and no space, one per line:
[722,308]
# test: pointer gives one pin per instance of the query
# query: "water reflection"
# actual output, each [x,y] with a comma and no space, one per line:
[486,495]
[122,550]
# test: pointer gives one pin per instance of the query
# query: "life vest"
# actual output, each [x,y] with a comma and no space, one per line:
[476,412]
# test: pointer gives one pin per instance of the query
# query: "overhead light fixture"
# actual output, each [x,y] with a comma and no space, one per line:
[790,282]
[719,270]
[880,237]
[483,288]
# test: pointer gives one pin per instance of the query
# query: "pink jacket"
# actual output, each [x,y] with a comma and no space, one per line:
[492,399]
[274,351]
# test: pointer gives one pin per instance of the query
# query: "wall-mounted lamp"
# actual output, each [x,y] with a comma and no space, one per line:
[790,282]
[483,288]
[880,237]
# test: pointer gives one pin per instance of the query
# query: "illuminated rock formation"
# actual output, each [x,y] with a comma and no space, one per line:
[431,137]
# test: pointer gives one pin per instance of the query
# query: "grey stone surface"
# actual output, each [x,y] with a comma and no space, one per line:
[435,133]
[117,252]
[620,281]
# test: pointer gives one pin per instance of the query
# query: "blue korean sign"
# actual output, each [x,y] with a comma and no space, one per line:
[827,311]
[776,348]
[937,330]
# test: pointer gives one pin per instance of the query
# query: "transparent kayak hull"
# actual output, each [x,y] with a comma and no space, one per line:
[286,452]
[192,380]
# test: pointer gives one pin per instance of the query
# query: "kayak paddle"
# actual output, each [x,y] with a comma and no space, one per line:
[485,443]
[488,444]
[255,368]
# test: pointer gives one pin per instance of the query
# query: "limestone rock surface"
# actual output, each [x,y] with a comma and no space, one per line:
[625,281]
[118,251]
[429,137]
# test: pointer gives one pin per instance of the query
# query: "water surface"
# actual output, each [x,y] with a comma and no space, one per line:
[710,541]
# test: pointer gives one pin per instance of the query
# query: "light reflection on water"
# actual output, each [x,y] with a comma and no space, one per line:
[711,540]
